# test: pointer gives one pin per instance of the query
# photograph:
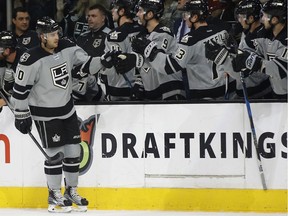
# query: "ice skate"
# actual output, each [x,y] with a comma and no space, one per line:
[58,203]
[80,202]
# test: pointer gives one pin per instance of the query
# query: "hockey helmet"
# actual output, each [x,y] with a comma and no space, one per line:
[46,25]
[199,7]
[249,8]
[7,40]
[156,6]
[128,5]
[276,8]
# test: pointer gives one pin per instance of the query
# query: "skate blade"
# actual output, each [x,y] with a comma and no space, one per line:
[79,208]
[59,209]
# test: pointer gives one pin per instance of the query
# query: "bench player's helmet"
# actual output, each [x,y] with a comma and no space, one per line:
[276,8]
[197,7]
[249,8]
[7,39]
[127,5]
[156,6]
[46,25]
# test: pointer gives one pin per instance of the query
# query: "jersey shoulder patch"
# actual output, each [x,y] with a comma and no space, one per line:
[120,33]
[163,29]
[116,36]
[32,55]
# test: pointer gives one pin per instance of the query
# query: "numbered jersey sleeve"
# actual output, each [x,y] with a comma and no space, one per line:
[275,63]
[120,38]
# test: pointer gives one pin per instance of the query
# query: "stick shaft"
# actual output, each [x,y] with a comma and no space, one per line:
[249,112]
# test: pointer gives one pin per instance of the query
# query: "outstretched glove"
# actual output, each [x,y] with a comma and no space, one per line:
[127,61]
[145,47]
[108,59]
[23,121]
[245,60]
[215,52]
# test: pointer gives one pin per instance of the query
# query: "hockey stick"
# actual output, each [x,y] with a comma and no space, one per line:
[249,112]
[226,95]
[57,158]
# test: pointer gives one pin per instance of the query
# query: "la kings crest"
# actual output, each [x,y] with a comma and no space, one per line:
[97,43]
[60,76]
[26,40]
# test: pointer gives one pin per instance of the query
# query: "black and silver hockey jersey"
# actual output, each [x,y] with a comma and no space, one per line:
[8,70]
[118,86]
[205,78]
[257,84]
[44,82]
[160,85]
[275,53]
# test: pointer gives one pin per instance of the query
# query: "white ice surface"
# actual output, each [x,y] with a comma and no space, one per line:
[40,212]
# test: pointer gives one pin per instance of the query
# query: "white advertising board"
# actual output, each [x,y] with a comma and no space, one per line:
[169,145]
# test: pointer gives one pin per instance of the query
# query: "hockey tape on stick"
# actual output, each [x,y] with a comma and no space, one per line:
[56,159]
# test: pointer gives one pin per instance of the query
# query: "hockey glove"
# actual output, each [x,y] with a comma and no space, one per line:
[77,72]
[23,121]
[138,91]
[145,47]
[215,52]
[245,60]
[127,61]
[108,59]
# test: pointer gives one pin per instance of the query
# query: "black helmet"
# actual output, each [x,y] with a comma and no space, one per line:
[46,25]
[249,8]
[7,40]
[156,6]
[128,5]
[199,7]
[276,8]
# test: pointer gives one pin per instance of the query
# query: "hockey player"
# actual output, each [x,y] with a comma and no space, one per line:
[270,56]
[93,42]
[21,21]
[42,89]
[205,79]
[156,85]
[118,86]
[10,54]
[248,15]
